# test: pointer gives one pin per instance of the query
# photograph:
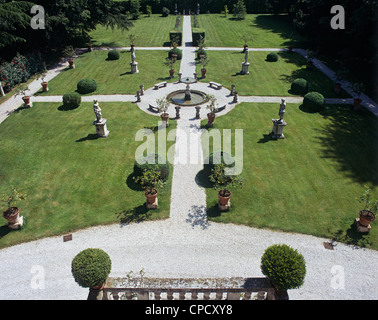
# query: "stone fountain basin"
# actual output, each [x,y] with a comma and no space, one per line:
[178,98]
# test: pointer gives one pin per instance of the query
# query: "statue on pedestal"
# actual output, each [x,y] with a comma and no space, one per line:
[97,111]
[281,112]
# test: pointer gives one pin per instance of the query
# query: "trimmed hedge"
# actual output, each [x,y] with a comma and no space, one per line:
[284,266]
[71,100]
[175,51]
[86,86]
[113,55]
[299,86]
[272,57]
[175,34]
[197,33]
[313,101]
[91,267]
[154,160]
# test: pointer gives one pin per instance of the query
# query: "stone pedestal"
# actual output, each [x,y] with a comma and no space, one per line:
[134,67]
[101,128]
[153,205]
[16,225]
[360,228]
[245,66]
[225,207]
[278,127]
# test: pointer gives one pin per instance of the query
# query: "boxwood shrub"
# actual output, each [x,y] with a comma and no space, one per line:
[284,266]
[175,35]
[153,160]
[299,86]
[113,55]
[175,51]
[71,100]
[86,86]
[91,267]
[313,101]
[272,57]
[197,33]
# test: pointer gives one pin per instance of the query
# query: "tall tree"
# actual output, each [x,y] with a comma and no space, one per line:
[240,10]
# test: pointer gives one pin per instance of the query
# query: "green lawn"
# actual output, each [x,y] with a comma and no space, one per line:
[150,32]
[113,76]
[73,180]
[267,31]
[265,78]
[308,182]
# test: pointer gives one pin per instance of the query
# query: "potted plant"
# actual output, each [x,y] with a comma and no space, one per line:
[340,75]
[163,105]
[69,53]
[150,180]
[91,267]
[367,214]
[204,61]
[212,108]
[44,83]
[132,38]
[357,90]
[12,212]
[170,62]
[26,97]
[245,39]
[90,47]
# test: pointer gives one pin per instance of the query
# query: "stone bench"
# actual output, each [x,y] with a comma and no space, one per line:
[153,109]
[220,109]
[160,85]
[217,85]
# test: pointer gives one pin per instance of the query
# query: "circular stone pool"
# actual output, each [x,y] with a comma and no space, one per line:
[178,97]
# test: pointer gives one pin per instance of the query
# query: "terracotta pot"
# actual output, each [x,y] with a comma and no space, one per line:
[203,73]
[356,103]
[172,73]
[13,217]
[26,100]
[223,198]
[71,62]
[165,117]
[337,88]
[366,217]
[151,198]
[99,287]
[210,119]
[45,86]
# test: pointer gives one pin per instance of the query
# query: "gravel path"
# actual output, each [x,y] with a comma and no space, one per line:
[186,244]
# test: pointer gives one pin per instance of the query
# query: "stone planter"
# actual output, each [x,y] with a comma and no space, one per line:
[90,48]
[71,63]
[13,217]
[224,200]
[366,217]
[172,73]
[151,199]
[210,119]
[45,87]
[337,88]
[356,103]
[27,103]
[165,117]
[203,73]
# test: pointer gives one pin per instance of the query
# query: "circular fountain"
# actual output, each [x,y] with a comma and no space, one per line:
[187,97]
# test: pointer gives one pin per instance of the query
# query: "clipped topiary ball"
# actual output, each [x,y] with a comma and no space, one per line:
[272,57]
[113,55]
[284,266]
[313,101]
[175,51]
[91,267]
[299,86]
[71,100]
[153,160]
[86,86]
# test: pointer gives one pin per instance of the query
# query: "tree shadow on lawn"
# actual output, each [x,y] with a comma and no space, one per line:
[352,238]
[350,139]
[137,214]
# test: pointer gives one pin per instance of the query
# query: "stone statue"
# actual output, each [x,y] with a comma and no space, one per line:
[246,55]
[281,113]
[133,56]
[97,111]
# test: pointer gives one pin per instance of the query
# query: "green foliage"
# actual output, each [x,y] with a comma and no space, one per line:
[165,12]
[175,38]
[201,52]
[299,86]
[284,266]
[134,9]
[272,57]
[86,86]
[91,267]
[150,179]
[148,10]
[152,161]
[175,51]
[113,55]
[12,198]
[240,10]
[370,205]
[71,100]
[221,180]
[313,101]
[198,36]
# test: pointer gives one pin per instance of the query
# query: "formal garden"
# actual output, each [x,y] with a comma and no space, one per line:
[306,183]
